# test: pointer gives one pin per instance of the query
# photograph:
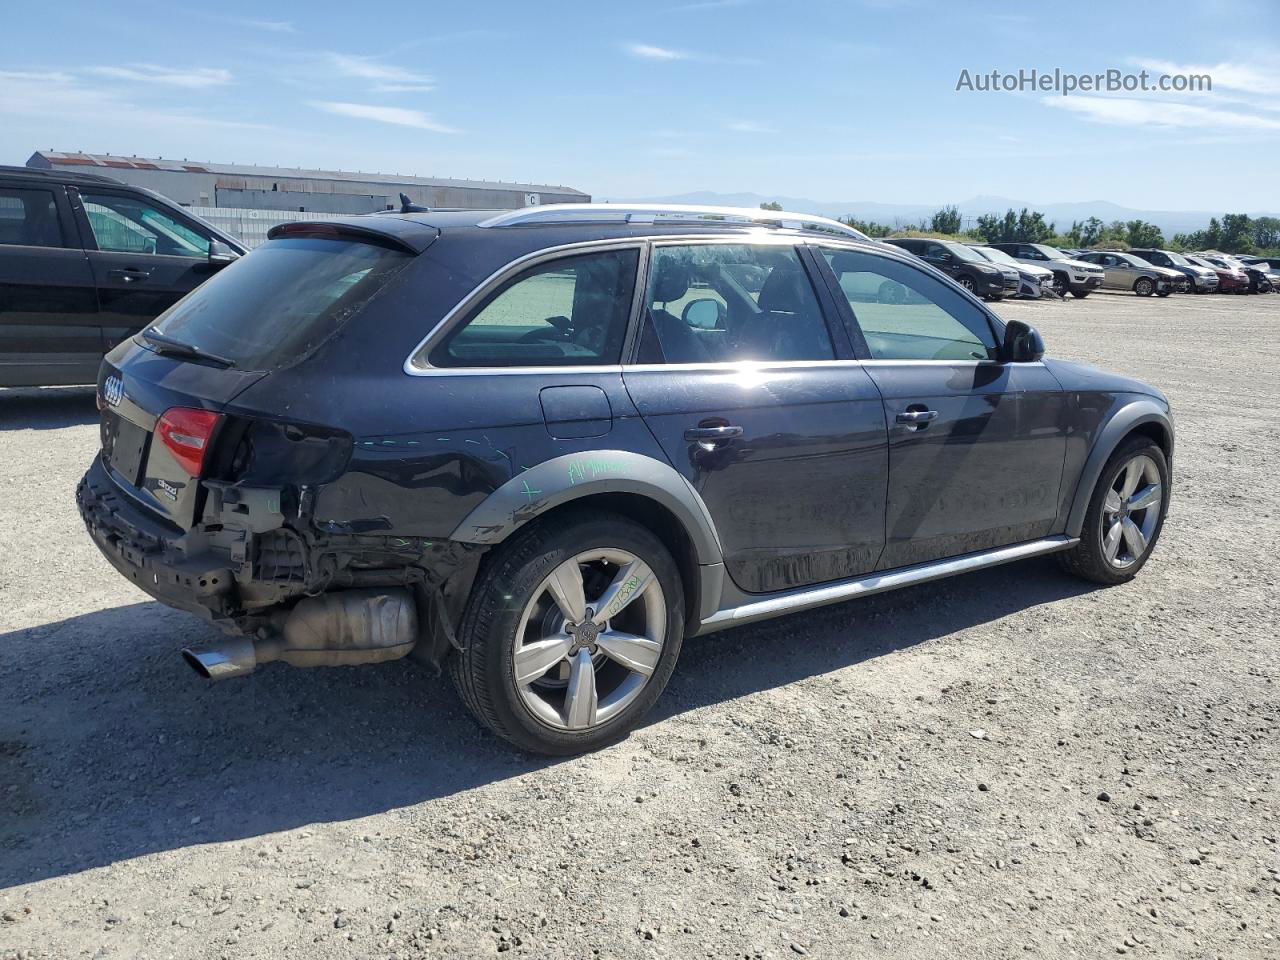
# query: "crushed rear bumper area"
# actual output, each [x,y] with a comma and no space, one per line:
[174,567]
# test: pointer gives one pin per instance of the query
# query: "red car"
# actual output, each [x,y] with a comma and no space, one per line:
[1229,281]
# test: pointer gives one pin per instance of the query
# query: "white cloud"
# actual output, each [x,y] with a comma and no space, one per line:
[395,115]
[747,126]
[1246,77]
[275,26]
[402,87]
[648,52]
[1129,111]
[169,76]
[45,95]
[367,68]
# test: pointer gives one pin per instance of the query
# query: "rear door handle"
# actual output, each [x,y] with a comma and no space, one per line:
[712,434]
[128,274]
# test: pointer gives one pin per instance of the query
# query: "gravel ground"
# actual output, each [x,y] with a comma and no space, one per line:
[1008,764]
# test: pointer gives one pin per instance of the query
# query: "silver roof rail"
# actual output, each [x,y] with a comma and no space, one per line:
[659,213]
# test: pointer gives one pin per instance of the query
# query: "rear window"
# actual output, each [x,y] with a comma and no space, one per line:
[275,305]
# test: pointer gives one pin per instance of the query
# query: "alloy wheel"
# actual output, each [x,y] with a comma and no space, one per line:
[589,639]
[1131,512]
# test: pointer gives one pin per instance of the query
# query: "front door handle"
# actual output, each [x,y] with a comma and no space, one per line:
[917,416]
[712,434]
[128,274]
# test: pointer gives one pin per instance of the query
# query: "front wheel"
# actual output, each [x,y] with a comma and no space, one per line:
[966,282]
[1164,293]
[1125,516]
[571,633]
[1061,283]
[1143,287]
[1080,294]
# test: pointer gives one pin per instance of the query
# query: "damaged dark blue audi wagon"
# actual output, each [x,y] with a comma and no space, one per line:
[540,448]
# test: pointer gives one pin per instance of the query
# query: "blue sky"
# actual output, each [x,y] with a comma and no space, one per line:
[826,99]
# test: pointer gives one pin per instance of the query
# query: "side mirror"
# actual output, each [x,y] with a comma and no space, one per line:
[705,313]
[220,254]
[1022,343]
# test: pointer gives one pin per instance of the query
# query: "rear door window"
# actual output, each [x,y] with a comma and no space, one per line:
[568,312]
[278,303]
[29,218]
[727,302]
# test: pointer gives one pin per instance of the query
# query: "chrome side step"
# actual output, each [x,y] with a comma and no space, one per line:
[796,600]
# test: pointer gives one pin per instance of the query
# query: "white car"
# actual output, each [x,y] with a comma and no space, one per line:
[1034,281]
[1074,275]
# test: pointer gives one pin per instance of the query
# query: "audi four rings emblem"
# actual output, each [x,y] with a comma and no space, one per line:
[113,390]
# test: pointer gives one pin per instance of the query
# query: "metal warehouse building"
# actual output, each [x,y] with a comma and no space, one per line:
[246,200]
[295,190]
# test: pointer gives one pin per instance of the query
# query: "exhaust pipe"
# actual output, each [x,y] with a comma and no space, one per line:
[345,628]
[232,657]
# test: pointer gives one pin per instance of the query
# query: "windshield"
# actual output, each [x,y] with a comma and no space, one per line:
[281,301]
[965,253]
[1053,253]
[1177,258]
[999,256]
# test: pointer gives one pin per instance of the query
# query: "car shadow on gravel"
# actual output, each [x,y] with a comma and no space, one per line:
[112,748]
[46,408]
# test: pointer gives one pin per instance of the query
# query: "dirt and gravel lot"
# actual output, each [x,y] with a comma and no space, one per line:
[1007,764]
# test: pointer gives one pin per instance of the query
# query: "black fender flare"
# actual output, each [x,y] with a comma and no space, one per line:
[573,476]
[1133,414]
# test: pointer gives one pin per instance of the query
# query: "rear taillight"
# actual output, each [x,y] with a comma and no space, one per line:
[186,433]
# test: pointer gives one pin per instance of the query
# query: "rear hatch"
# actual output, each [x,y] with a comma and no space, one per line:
[165,394]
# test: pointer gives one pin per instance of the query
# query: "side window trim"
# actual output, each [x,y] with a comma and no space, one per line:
[994,324]
[418,364]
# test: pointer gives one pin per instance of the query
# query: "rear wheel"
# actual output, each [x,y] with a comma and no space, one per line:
[1125,516]
[571,633]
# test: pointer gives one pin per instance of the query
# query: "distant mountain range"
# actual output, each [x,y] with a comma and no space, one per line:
[910,214]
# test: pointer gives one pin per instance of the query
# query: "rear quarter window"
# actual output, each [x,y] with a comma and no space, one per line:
[281,301]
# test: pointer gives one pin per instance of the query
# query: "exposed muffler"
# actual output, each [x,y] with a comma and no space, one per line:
[344,628]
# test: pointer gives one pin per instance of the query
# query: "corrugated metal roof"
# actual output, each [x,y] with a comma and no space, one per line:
[61,158]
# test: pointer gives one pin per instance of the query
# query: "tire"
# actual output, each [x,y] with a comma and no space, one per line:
[1080,294]
[1061,284]
[512,592]
[966,282]
[1143,287]
[1164,293]
[1091,558]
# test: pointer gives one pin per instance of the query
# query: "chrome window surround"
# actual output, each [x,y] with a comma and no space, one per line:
[417,365]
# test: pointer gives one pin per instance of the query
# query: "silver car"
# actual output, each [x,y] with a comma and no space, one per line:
[1123,271]
[1033,282]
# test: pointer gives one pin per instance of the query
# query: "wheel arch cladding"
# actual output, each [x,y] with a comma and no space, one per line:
[1145,416]
[641,488]
[574,476]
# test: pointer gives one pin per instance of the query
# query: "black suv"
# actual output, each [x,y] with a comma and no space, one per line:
[541,448]
[85,263]
[965,265]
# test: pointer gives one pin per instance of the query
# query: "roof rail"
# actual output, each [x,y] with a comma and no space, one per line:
[659,213]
